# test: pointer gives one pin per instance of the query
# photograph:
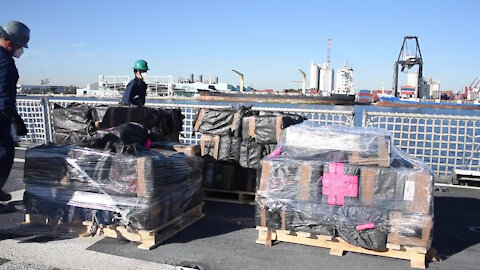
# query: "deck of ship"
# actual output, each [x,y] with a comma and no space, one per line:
[225,239]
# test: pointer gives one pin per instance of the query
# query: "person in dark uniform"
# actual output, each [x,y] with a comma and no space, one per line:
[136,89]
[14,36]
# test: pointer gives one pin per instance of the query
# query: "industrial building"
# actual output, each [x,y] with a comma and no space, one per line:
[433,87]
[114,86]
[345,81]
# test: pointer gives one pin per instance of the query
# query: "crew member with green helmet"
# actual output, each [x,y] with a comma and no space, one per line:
[136,89]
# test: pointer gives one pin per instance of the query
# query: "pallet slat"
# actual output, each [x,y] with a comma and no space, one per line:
[338,246]
[148,239]
[218,195]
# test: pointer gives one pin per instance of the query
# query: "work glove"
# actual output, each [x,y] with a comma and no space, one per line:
[19,125]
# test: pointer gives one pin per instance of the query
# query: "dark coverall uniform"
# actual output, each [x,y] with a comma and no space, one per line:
[8,93]
[135,93]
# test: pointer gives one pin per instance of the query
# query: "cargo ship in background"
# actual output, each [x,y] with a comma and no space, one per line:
[276,97]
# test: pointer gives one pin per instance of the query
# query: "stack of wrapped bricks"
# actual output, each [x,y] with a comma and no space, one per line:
[346,182]
[111,176]
[237,137]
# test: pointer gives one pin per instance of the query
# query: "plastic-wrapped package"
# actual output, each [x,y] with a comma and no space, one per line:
[142,191]
[164,124]
[225,148]
[250,154]
[265,129]
[126,133]
[362,147]
[72,124]
[311,183]
[74,118]
[220,121]
[76,123]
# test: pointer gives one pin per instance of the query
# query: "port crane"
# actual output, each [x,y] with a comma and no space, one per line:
[407,59]
[469,88]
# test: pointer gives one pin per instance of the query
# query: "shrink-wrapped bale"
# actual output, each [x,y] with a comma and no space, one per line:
[143,190]
[220,121]
[335,181]
[225,148]
[74,118]
[266,129]
[220,175]
[357,146]
[251,153]
[72,124]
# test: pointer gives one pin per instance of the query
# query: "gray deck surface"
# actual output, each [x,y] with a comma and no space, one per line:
[225,239]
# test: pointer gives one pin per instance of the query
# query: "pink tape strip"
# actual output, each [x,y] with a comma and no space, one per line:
[148,142]
[276,152]
[365,226]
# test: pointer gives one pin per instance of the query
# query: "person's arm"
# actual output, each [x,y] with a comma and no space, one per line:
[8,99]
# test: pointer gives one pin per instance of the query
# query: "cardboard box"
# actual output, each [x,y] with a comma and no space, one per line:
[410,229]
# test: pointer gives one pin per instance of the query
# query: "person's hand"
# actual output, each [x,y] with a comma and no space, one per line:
[19,125]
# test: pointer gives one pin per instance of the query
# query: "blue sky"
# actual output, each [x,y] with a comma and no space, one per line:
[72,42]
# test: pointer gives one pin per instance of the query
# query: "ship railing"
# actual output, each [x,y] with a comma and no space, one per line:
[36,112]
[33,111]
[445,142]
[189,112]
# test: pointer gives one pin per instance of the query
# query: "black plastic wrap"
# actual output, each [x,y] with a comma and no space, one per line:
[72,124]
[143,191]
[266,129]
[221,121]
[76,123]
[74,118]
[311,183]
[223,148]
[251,153]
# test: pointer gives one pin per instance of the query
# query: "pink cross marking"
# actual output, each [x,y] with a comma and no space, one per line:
[337,185]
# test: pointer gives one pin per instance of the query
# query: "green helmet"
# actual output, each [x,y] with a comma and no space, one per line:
[17,32]
[141,65]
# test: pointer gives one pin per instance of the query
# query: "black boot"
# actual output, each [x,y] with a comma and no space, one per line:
[5,197]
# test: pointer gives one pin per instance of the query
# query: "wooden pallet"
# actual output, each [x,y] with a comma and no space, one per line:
[150,239]
[338,246]
[218,195]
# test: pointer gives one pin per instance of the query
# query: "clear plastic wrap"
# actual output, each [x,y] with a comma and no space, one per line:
[141,191]
[346,182]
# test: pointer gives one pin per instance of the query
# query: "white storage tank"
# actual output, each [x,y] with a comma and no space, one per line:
[314,76]
[326,79]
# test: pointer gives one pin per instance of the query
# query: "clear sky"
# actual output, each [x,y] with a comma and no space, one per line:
[72,42]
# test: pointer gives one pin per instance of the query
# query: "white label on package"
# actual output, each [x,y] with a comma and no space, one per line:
[409,192]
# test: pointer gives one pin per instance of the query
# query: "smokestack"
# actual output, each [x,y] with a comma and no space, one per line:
[210,79]
[216,80]
[191,78]
[200,78]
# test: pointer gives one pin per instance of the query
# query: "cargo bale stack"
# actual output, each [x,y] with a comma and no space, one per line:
[143,191]
[77,122]
[235,140]
[350,183]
